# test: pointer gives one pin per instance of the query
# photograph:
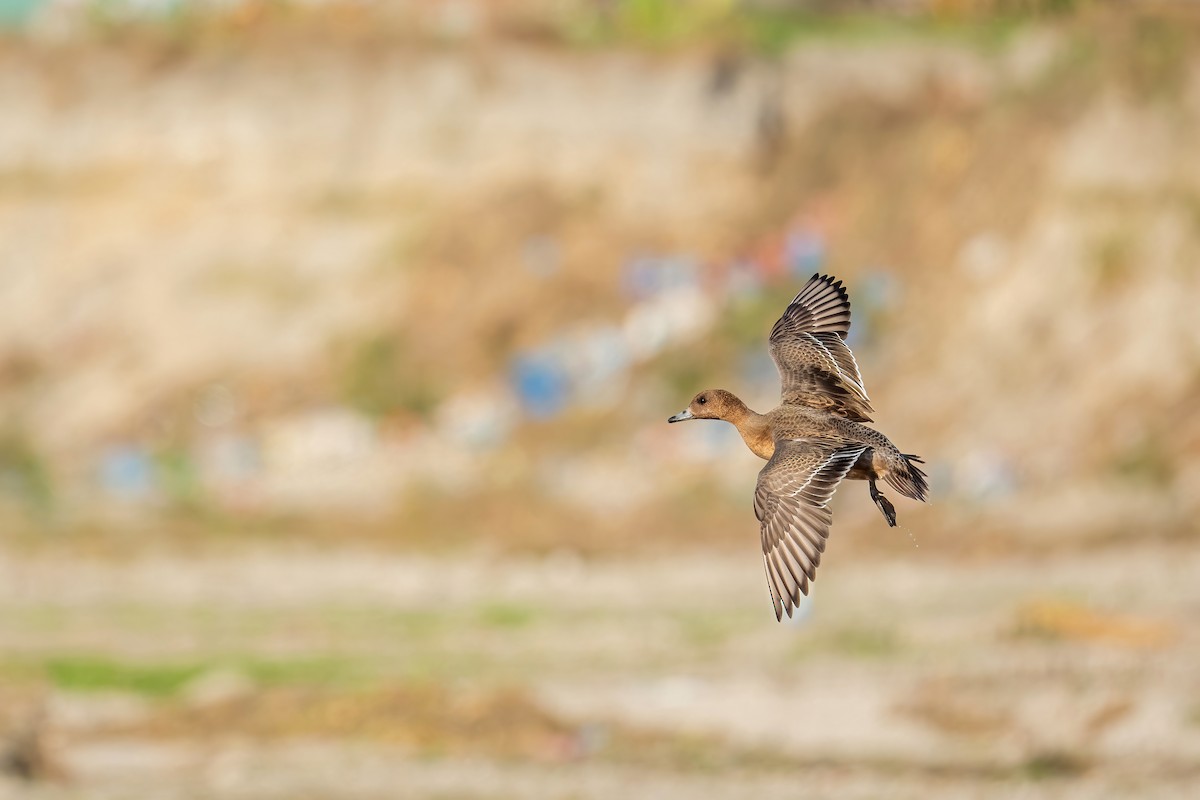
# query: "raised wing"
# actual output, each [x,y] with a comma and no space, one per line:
[791,502]
[816,367]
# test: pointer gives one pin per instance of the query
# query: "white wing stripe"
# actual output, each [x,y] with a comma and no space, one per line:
[838,455]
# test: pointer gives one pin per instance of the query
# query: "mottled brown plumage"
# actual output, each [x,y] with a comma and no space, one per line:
[812,441]
[815,366]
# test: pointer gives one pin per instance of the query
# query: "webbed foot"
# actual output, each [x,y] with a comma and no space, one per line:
[885,505]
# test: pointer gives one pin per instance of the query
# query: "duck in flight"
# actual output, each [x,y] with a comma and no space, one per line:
[812,441]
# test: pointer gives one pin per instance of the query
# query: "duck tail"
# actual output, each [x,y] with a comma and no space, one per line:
[908,479]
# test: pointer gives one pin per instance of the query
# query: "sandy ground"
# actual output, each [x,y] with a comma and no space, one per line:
[1072,676]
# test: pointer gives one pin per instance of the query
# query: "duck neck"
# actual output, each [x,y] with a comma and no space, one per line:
[754,429]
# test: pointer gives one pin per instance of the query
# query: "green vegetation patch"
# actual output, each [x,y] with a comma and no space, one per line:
[865,642]
[91,674]
[382,376]
[772,29]
[1053,764]
[857,641]
[24,474]
[507,616]
[712,629]
[86,673]
[1147,461]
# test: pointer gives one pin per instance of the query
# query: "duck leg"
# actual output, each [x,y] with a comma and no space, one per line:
[885,505]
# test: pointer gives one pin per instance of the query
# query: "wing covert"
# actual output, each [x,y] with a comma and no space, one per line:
[816,367]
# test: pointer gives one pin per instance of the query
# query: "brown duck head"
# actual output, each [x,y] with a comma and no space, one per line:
[712,404]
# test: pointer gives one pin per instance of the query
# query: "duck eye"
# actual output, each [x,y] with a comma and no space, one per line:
[702,400]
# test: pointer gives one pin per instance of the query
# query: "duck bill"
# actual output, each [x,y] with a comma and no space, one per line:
[681,416]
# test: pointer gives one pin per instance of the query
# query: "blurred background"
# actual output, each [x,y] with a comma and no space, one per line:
[337,341]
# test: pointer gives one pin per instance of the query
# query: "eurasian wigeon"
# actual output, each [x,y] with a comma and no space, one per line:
[812,441]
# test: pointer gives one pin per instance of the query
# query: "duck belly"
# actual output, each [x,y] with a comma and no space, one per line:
[865,468]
